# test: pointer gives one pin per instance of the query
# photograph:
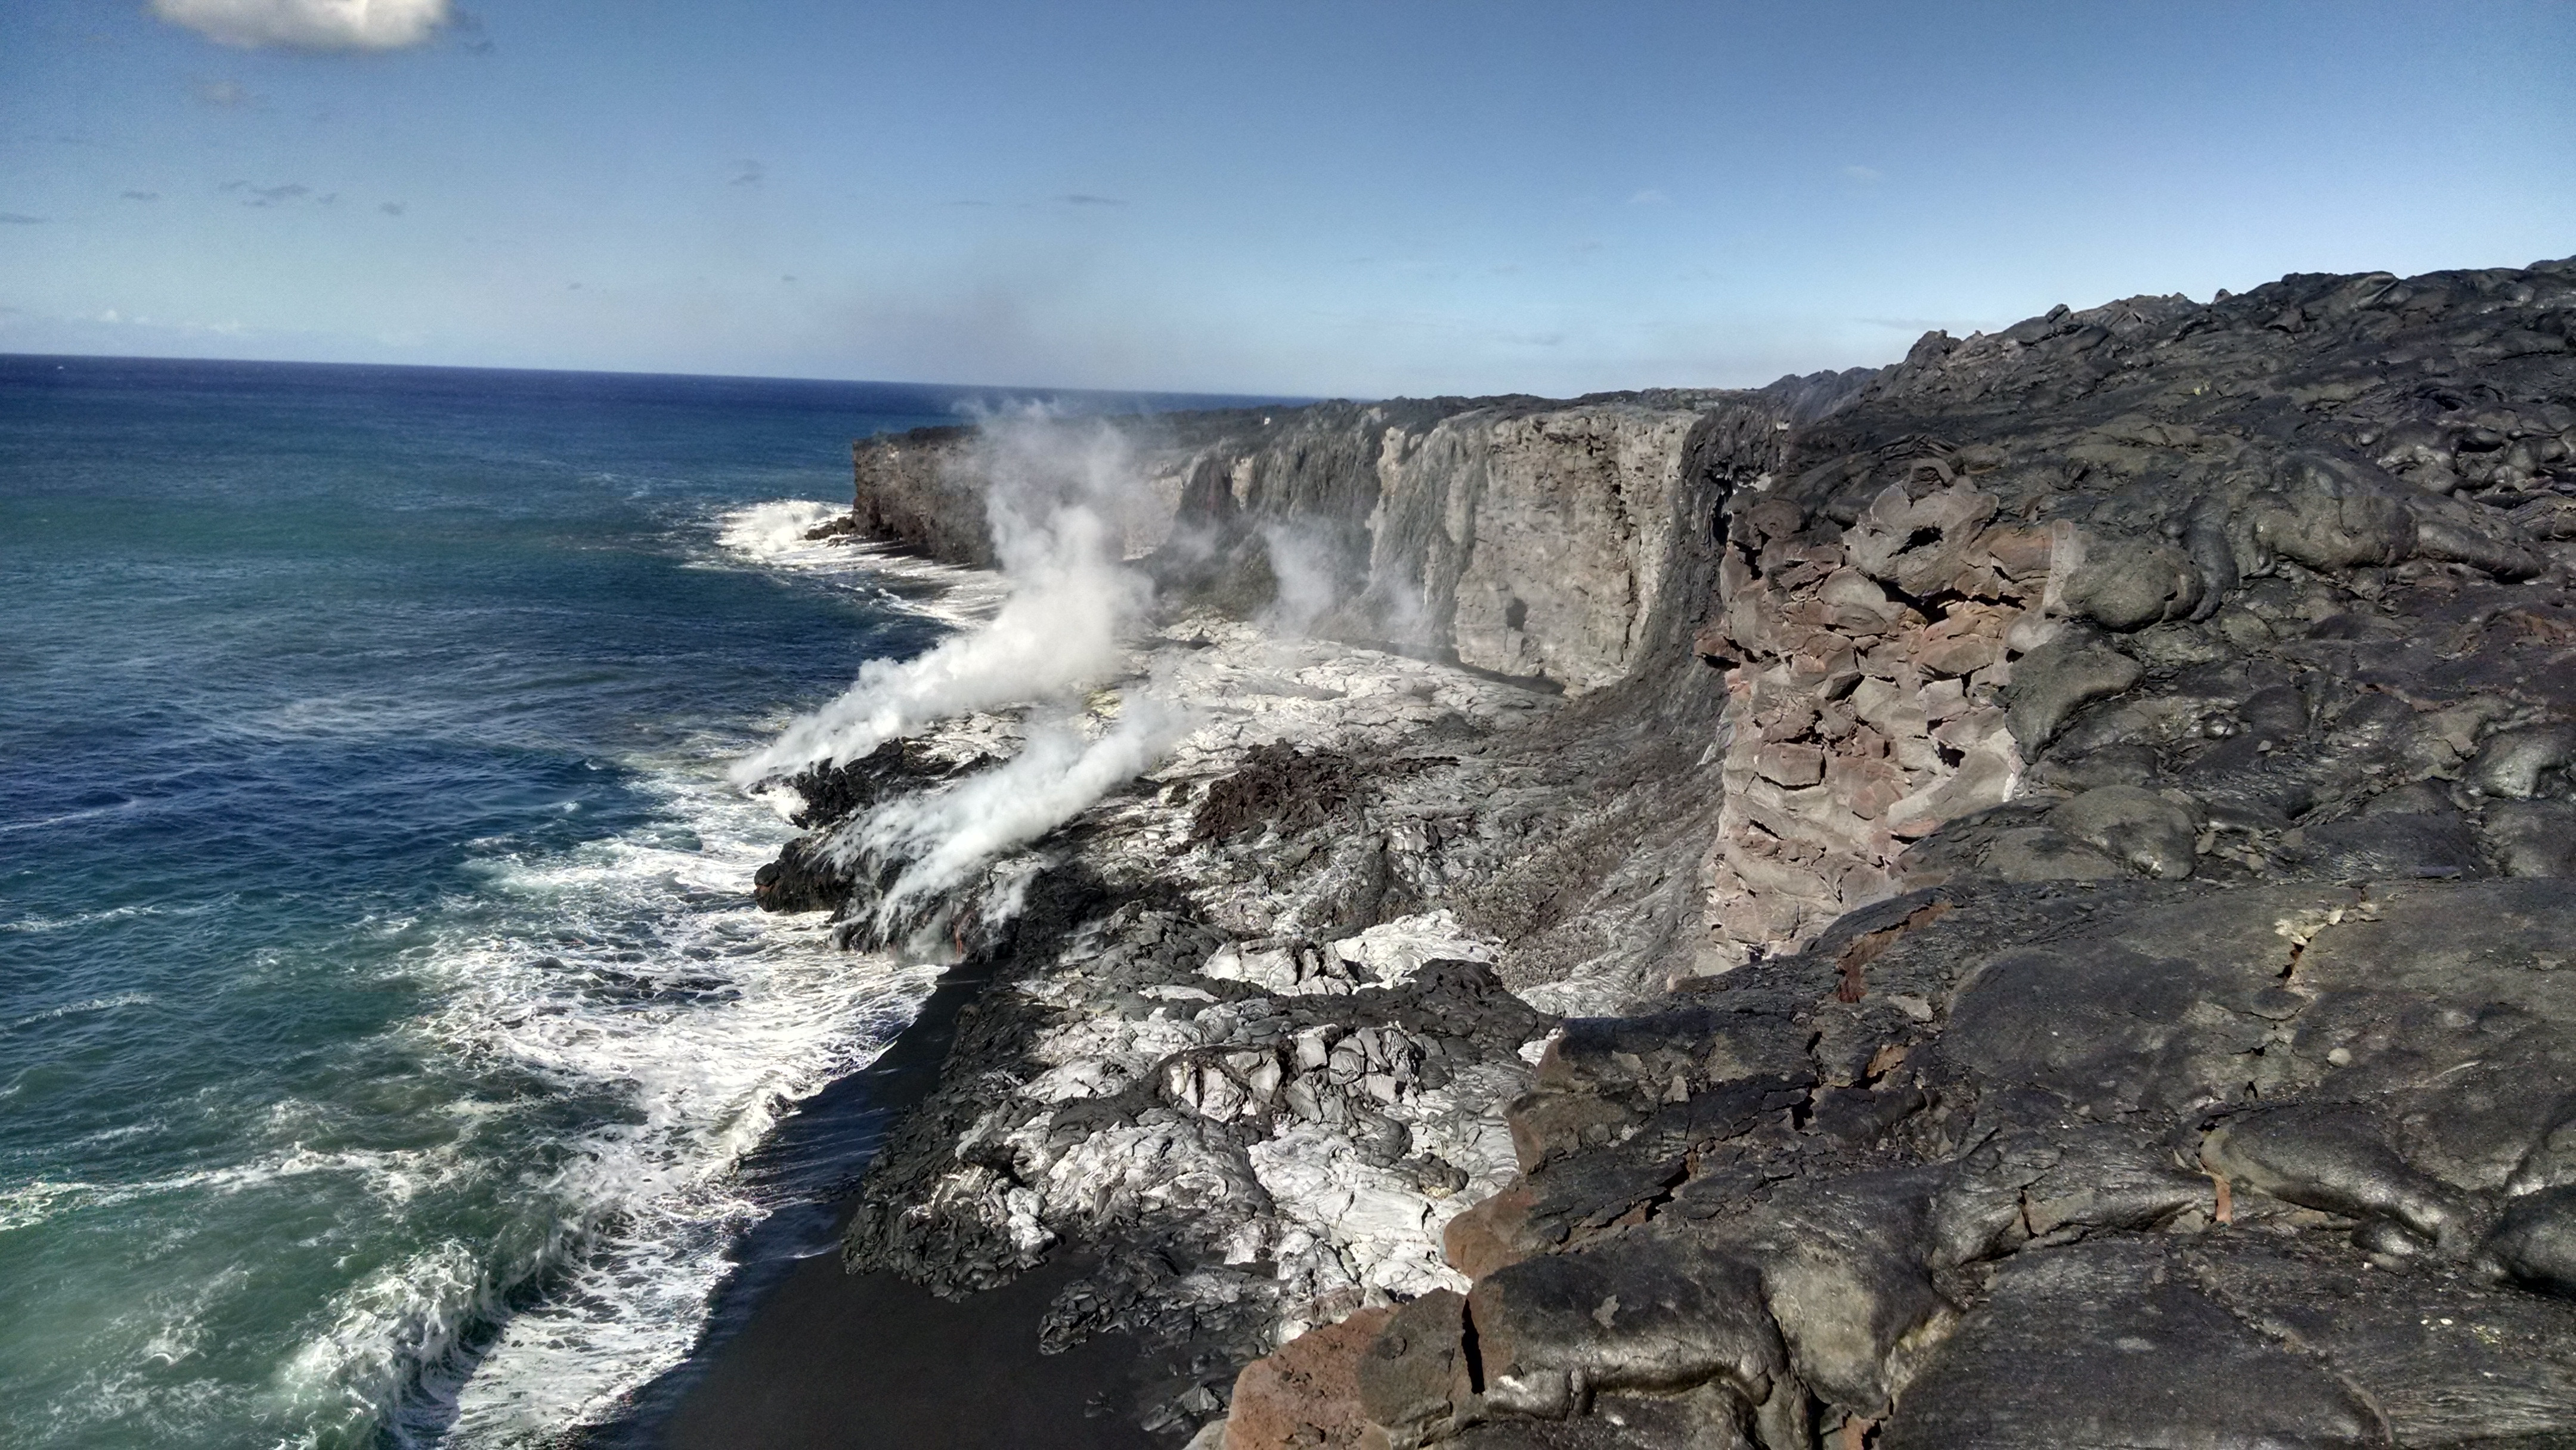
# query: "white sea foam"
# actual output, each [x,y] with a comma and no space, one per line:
[11,828]
[393,1175]
[707,1019]
[169,1328]
[379,715]
[409,1313]
[772,535]
[83,1008]
[634,969]
[73,922]
[774,532]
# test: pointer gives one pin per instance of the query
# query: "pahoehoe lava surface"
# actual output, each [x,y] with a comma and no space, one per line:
[2019,899]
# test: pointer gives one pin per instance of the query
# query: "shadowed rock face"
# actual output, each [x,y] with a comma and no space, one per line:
[2050,880]
[911,492]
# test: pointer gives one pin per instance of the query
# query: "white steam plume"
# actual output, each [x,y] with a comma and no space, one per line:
[1306,585]
[1062,498]
[309,24]
[1059,500]
[944,835]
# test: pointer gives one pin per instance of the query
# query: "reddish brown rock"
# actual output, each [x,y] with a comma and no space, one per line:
[1866,786]
[1960,654]
[1492,1233]
[1790,765]
[1305,1395]
[2022,554]
[1417,1374]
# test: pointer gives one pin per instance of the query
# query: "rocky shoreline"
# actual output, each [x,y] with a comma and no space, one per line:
[2021,898]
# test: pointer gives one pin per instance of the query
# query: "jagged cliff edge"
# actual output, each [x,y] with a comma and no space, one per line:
[2078,820]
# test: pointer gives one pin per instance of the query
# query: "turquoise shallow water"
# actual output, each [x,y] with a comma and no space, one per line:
[382,1019]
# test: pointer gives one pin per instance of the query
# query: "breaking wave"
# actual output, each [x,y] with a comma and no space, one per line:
[773,535]
[659,985]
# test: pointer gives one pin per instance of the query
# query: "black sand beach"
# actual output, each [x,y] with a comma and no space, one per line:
[835,1362]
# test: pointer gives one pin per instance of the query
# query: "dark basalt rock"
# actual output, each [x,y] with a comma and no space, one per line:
[2230,1096]
[2053,681]
[1276,785]
[807,876]
[2100,1345]
[801,879]
[911,493]
[2133,1175]
[2107,841]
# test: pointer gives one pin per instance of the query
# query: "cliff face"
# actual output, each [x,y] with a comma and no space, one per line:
[1548,541]
[2078,823]
[913,493]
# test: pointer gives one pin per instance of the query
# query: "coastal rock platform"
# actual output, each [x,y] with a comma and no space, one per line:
[2023,898]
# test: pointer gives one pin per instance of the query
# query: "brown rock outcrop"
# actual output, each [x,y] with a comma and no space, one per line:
[1305,1395]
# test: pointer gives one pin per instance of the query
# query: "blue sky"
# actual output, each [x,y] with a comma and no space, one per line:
[1406,196]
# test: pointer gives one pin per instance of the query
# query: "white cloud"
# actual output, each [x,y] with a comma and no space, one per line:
[1865,175]
[1649,197]
[309,24]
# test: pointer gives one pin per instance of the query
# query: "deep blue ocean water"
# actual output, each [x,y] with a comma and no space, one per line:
[383,1022]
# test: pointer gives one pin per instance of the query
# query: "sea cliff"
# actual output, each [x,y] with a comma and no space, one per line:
[2019,898]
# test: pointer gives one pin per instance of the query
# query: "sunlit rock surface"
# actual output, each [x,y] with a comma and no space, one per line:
[2021,899]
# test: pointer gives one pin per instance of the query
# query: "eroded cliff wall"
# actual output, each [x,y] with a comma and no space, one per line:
[2077,824]
[1549,541]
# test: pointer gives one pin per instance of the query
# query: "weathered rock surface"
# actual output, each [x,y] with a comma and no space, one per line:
[1307,1395]
[913,493]
[2042,876]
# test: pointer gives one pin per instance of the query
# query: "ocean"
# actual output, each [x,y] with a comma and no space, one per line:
[385,1028]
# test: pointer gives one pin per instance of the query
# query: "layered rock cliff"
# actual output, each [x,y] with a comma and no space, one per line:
[1916,908]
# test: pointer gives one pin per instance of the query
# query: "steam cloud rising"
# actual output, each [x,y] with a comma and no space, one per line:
[1057,498]
[309,24]
[1060,499]
[945,834]
[1306,584]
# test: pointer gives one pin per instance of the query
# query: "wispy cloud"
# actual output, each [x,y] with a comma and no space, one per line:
[309,24]
[271,195]
[20,219]
[1865,175]
[746,173]
[141,195]
[1649,197]
[1084,198]
[390,208]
